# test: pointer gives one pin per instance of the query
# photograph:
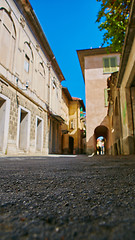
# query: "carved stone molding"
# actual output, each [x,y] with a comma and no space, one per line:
[37,47]
[22,21]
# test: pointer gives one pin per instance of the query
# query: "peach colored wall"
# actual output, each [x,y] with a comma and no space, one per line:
[95,83]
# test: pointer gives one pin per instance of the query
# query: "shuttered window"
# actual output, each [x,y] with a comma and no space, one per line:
[105,97]
[110,65]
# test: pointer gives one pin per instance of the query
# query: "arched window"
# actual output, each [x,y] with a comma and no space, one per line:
[28,57]
[40,81]
[7,38]
[28,64]
[41,69]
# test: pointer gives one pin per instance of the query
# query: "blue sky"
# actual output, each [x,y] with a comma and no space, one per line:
[69,25]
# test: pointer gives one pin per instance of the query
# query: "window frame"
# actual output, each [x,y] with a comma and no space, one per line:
[106,102]
[110,68]
[72,124]
[27,63]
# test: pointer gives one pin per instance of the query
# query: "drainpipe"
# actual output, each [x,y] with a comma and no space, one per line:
[49,84]
[77,126]
[48,107]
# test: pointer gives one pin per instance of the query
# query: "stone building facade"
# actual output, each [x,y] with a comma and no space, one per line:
[122,95]
[97,65]
[66,98]
[30,84]
[74,126]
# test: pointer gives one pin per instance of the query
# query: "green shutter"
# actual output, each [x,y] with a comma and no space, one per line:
[113,64]
[81,111]
[106,68]
[106,97]
[109,65]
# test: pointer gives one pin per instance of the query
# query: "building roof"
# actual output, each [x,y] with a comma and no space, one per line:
[129,38]
[67,93]
[80,101]
[28,12]
[76,98]
[91,52]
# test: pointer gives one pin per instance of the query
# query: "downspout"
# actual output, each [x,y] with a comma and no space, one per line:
[77,126]
[48,107]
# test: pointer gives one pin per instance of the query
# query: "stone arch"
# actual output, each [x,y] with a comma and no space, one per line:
[7,38]
[9,15]
[28,50]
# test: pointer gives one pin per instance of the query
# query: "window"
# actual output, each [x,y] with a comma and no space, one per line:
[54,83]
[23,132]
[8,37]
[110,65]
[26,63]
[72,124]
[39,133]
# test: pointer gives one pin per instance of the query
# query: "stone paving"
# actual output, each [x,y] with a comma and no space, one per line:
[65,198]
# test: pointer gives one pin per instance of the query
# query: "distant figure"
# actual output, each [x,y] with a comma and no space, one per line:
[99,150]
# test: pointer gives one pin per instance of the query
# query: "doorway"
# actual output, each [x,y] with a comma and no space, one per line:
[4,122]
[39,133]
[24,129]
[53,137]
[101,136]
[71,145]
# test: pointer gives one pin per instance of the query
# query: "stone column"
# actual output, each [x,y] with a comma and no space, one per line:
[127,122]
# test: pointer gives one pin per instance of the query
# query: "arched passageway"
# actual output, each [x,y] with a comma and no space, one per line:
[101,140]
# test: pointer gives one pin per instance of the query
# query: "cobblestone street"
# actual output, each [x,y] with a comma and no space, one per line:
[60,198]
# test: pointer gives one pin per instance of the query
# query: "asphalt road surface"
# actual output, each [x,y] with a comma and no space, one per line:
[65,198]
